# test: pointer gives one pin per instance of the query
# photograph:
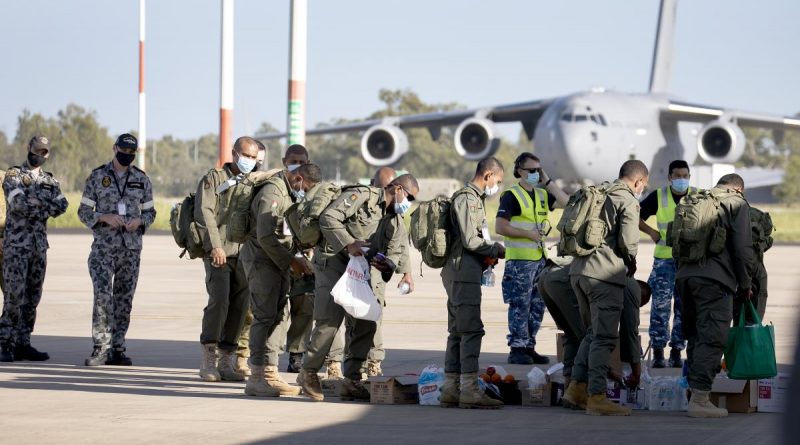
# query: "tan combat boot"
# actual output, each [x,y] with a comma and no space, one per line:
[225,367]
[472,396]
[599,405]
[257,384]
[448,397]
[353,390]
[700,406]
[274,380]
[241,365]
[575,395]
[374,368]
[208,368]
[309,382]
[334,370]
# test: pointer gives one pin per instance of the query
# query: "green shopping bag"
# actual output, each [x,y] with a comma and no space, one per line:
[750,353]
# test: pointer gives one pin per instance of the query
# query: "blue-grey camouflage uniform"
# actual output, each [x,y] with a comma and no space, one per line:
[525,305]
[31,198]
[115,255]
[662,283]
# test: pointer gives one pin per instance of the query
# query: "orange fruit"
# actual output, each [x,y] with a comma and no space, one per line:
[496,378]
[486,378]
[490,370]
[509,379]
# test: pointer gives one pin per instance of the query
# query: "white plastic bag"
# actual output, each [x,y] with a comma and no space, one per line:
[666,394]
[536,377]
[430,384]
[354,293]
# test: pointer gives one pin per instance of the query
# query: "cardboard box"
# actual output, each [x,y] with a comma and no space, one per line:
[393,390]
[549,395]
[772,393]
[330,388]
[737,396]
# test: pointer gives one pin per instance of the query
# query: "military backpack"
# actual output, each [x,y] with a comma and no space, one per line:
[184,228]
[582,230]
[696,233]
[431,230]
[761,224]
[303,217]
[241,197]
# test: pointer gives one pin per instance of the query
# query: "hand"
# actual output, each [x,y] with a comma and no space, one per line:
[501,251]
[218,257]
[354,248]
[613,375]
[632,381]
[631,268]
[746,294]
[655,236]
[407,278]
[543,176]
[115,221]
[133,225]
[534,236]
[300,266]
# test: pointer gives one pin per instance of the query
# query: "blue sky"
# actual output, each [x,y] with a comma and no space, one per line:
[736,53]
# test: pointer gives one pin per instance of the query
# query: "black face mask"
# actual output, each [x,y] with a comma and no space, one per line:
[35,160]
[125,159]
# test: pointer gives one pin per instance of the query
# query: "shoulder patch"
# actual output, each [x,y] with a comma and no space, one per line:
[274,204]
[26,180]
[106,181]
[12,172]
[353,197]
[471,208]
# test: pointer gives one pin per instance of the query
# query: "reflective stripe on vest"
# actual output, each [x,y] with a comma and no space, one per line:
[664,216]
[533,215]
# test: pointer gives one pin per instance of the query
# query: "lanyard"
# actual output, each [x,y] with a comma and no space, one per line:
[116,182]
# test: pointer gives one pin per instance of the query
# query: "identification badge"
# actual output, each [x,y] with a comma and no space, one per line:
[121,209]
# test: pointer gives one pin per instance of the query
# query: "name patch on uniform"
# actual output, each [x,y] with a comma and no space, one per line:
[47,187]
[26,180]
[136,185]
[106,181]
[542,213]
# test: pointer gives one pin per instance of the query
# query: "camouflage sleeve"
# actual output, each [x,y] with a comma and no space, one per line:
[148,205]
[16,199]
[86,211]
[58,205]
[332,221]
[404,265]
[741,240]
[465,207]
[397,250]
[628,219]
[267,205]
[205,213]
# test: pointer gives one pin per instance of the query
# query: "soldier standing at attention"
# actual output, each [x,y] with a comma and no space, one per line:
[599,281]
[522,219]
[226,284]
[117,205]
[33,196]
[662,204]
[472,251]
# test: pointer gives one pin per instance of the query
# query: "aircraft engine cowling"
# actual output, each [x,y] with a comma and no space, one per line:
[720,141]
[383,144]
[476,138]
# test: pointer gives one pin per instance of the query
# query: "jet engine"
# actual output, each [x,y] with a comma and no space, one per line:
[476,138]
[721,141]
[383,144]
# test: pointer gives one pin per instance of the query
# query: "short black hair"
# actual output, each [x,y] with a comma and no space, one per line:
[310,172]
[242,141]
[408,182]
[732,180]
[296,149]
[676,164]
[633,169]
[524,156]
[261,146]
[490,164]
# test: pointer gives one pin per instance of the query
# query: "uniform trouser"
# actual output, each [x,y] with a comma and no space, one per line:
[464,326]
[268,298]
[23,272]
[759,299]
[115,273]
[377,352]
[664,297]
[228,296]
[525,305]
[563,307]
[630,346]
[328,317]
[243,347]
[604,302]
[707,312]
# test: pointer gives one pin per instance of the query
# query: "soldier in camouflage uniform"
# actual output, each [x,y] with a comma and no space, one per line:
[2,230]
[33,196]
[117,205]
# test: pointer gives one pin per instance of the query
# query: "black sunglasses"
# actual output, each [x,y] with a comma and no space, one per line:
[531,170]
[410,196]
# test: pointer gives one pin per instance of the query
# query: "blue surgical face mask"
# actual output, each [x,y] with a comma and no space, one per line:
[402,207]
[293,167]
[245,165]
[533,178]
[680,185]
[492,190]
[299,194]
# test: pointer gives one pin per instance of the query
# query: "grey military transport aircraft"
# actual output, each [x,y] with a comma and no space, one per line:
[586,135]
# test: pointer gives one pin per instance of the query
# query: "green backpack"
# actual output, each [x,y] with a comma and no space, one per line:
[696,233]
[431,230]
[309,209]
[582,230]
[239,204]
[184,228]
[763,227]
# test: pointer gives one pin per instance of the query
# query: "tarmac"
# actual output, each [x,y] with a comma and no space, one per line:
[162,400]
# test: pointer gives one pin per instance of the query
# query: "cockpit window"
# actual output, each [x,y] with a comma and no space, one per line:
[566,117]
[602,120]
[580,117]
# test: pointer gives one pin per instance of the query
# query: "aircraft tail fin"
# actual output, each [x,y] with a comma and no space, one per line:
[662,53]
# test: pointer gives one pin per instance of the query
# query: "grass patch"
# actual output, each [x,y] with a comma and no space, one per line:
[69,220]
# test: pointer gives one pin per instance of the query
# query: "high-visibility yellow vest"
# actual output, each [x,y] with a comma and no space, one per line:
[664,216]
[533,215]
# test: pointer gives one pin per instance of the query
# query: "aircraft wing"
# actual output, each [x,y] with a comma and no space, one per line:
[685,111]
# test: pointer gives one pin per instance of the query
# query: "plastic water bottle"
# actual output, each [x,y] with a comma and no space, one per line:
[405,288]
[487,278]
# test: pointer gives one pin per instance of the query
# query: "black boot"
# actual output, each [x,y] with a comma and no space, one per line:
[28,352]
[675,358]
[519,356]
[117,357]
[538,359]
[295,362]
[6,353]
[99,357]
[658,358]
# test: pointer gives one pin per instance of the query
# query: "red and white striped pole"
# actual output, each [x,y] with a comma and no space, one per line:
[142,104]
[296,116]
[226,85]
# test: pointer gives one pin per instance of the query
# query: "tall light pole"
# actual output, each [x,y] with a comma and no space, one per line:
[142,103]
[298,36]
[226,85]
